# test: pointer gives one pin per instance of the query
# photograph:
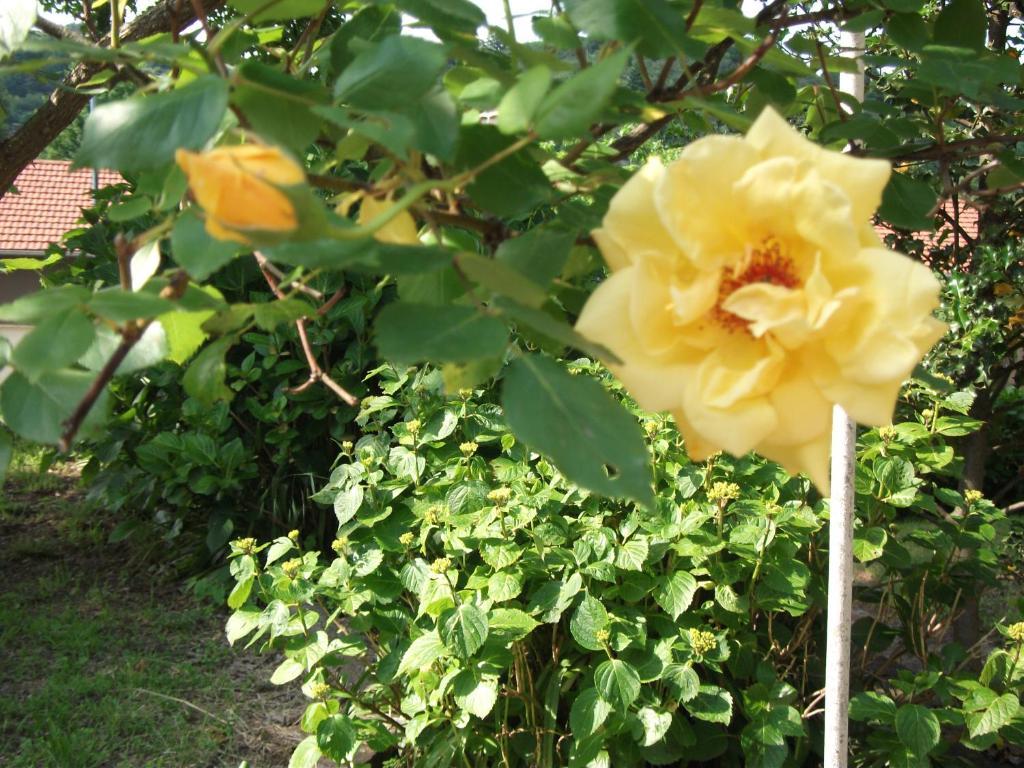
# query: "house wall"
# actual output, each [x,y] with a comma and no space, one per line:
[14,285]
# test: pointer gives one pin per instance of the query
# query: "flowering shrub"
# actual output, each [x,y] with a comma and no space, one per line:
[478,608]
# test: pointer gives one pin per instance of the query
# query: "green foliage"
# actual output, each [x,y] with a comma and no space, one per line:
[520,577]
[502,614]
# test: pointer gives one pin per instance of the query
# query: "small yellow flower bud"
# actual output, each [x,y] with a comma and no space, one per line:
[651,428]
[724,492]
[347,446]
[468,448]
[1016,632]
[340,544]
[927,413]
[973,496]
[702,642]
[500,496]
[441,565]
[293,535]
[887,433]
[465,393]
[406,539]
[291,567]
[320,690]
[247,545]
[433,514]
[413,425]
[602,636]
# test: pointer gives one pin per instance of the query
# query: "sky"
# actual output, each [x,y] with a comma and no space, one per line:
[522,13]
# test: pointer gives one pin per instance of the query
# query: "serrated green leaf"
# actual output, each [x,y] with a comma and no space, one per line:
[37,410]
[16,20]
[521,101]
[869,705]
[675,593]
[424,651]
[918,728]
[464,630]
[656,27]
[144,132]
[994,716]
[392,74]
[589,618]
[617,681]
[588,712]
[574,104]
[711,704]
[336,737]
[193,249]
[204,379]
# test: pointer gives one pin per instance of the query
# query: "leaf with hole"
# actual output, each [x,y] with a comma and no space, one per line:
[573,420]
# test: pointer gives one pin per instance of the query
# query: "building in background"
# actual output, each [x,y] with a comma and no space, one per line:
[48,202]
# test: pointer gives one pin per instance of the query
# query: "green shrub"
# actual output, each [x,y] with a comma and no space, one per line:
[479,609]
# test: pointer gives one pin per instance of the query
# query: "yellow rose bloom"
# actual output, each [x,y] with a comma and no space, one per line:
[238,187]
[401,230]
[749,293]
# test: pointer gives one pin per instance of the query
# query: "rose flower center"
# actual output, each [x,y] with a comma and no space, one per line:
[765,264]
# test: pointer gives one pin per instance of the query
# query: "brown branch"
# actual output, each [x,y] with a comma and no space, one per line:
[27,143]
[976,146]
[58,32]
[644,74]
[316,373]
[328,305]
[659,84]
[737,74]
[955,222]
[123,249]
[492,228]
[625,145]
[130,335]
[295,284]
[831,85]
[692,15]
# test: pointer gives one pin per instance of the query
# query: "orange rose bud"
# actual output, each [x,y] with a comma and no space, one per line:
[238,188]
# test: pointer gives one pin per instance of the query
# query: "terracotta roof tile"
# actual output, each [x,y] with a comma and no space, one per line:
[50,202]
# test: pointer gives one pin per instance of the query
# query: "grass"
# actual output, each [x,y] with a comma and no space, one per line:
[103,667]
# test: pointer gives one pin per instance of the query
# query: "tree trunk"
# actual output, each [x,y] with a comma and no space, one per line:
[64,104]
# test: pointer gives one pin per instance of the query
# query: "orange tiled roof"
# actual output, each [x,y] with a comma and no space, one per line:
[943,235]
[50,202]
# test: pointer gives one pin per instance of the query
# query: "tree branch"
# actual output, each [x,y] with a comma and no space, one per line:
[130,335]
[64,104]
[60,33]
[316,373]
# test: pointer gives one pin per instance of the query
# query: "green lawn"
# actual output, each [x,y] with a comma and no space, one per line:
[100,666]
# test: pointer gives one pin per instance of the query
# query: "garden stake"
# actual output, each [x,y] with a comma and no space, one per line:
[840,529]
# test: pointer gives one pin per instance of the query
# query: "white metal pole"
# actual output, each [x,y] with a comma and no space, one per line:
[840,531]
